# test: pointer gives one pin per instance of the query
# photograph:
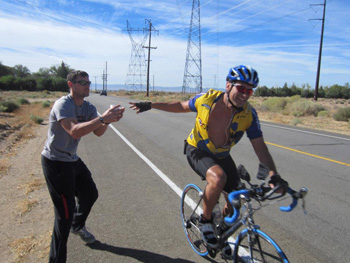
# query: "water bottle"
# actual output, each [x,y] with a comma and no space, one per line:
[217,215]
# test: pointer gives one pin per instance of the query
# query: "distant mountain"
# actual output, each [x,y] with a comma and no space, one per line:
[111,87]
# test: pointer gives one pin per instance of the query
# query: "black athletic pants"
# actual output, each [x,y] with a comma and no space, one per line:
[67,181]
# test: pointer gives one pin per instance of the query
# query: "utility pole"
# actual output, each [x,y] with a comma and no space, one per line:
[104,78]
[320,52]
[95,83]
[150,29]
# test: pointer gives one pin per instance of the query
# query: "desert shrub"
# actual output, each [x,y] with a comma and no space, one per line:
[304,107]
[323,114]
[23,101]
[342,114]
[340,102]
[274,104]
[293,99]
[295,122]
[45,92]
[46,104]
[8,106]
[36,119]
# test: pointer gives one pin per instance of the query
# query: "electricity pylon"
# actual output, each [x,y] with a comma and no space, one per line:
[193,66]
[137,66]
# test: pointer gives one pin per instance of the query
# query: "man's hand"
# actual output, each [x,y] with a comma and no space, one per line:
[140,106]
[113,114]
[277,181]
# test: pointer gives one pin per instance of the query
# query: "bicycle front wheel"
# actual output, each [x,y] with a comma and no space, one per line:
[191,209]
[256,246]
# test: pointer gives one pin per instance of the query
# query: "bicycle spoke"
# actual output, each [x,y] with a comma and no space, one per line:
[258,249]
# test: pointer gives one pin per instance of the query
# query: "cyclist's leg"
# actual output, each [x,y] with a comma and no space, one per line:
[207,168]
[232,183]
[216,180]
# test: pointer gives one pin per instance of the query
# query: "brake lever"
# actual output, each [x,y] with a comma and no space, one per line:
[303,191]
[303,206]
[272,191]
[295,196]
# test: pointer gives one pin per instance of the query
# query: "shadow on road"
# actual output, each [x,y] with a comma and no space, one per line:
[140,255]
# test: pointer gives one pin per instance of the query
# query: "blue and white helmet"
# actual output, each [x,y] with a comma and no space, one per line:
[245,74]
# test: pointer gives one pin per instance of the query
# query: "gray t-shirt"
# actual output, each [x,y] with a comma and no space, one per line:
[60,146]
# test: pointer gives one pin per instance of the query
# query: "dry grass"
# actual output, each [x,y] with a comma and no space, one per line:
[17,127]
[26,205]
[4,164]
[25,246]
[22,247]
[34,184]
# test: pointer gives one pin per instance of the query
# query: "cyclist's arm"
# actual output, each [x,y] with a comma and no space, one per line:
[263,154]
[265,157]
[179,106]
[176,107]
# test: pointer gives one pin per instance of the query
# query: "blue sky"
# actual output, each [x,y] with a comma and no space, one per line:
[279,38]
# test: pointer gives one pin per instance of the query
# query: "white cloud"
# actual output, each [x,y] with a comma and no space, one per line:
[41,38]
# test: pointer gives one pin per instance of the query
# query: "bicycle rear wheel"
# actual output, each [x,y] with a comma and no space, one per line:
[256,246]
[191,209]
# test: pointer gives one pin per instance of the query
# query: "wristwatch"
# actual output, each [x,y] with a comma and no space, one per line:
[101,120]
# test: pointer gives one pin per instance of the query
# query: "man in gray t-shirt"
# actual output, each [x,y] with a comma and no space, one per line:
[69,181]
[60,145]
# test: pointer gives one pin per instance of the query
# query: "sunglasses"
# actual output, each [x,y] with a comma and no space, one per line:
[244,90]
[82,82]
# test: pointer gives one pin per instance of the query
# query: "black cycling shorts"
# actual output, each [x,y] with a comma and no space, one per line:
[201,161]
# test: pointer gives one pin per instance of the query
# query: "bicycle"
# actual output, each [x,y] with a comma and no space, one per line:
[251,244]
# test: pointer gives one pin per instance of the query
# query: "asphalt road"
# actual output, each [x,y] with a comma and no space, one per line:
[140,170]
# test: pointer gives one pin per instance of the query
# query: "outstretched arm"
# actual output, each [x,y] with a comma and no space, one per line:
[176,107]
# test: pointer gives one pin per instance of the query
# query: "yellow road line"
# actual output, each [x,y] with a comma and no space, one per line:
[313,155]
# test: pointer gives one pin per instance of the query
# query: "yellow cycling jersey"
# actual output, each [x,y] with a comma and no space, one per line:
[245,120]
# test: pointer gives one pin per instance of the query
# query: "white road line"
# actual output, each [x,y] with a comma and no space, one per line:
[314,133]
[165,178]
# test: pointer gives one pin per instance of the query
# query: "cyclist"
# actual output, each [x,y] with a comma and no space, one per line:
[222,119]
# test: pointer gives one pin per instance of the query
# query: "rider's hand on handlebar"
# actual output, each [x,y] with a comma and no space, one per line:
[278,182]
